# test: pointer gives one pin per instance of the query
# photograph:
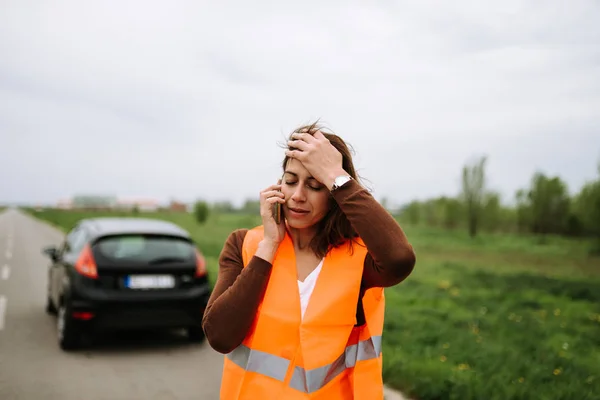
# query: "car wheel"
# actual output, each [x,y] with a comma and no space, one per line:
[50,309]
[68,333]
[196,334]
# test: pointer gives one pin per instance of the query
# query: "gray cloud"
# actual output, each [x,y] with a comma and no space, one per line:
[189,99]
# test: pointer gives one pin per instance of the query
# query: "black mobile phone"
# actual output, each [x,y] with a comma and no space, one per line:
[277,212]
[277,207]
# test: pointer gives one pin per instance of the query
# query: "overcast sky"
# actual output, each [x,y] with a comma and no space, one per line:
[190,99]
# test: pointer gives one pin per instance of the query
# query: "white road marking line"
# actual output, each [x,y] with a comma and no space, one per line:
[2,311]
[5,272]
[8,254]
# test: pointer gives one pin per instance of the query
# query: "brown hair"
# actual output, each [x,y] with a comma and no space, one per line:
[334,229]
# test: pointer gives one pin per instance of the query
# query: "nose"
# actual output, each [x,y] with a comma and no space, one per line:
[298,195]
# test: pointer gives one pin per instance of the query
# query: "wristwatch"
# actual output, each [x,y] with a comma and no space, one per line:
[340,181]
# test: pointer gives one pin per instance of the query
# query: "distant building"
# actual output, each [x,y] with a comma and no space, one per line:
[97,202]
[139,204]
[64,204]
[178,206]
[93,202]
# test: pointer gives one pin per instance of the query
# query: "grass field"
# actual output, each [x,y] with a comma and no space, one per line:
[499,317]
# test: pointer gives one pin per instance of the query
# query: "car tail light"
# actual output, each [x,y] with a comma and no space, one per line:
[85,316]
[200,264]
[86,265]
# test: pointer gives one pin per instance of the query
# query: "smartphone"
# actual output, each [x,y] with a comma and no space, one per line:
[277,213]
[277,208]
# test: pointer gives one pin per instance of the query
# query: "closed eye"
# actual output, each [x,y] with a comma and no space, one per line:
[312,187]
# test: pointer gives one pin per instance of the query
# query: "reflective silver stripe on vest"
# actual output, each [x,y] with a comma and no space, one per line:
[306,381]
[309,381]
[260,362]
[365,350]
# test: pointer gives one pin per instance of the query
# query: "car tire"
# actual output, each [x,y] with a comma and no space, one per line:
[196,334]
[50,309]
[67,330]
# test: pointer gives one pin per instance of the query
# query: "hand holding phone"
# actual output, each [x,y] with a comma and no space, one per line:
[271,211]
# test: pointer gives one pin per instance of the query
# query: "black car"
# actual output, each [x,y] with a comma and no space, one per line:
[126,273]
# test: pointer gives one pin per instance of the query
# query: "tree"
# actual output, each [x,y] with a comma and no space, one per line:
[492,211]
[587,209]
[223,206]
[201,211]
[453,213]
[473,192]
[413,212]
[251,206]
[523,211]
[549,204]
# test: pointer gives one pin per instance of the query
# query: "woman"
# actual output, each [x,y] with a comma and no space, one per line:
[298,306]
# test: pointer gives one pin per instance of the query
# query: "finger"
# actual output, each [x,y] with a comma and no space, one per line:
[271,188]
[298,144]
[319,135]
[274,199]
[298,155]
[305,137]
[271,193]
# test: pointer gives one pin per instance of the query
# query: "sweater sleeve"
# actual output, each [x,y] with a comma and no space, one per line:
[235,297]
[390,258]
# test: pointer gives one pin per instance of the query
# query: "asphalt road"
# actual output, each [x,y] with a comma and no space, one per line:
[128,367]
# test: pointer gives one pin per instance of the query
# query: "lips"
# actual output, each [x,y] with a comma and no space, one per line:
[298,210]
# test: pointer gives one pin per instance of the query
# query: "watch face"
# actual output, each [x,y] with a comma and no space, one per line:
[340,180]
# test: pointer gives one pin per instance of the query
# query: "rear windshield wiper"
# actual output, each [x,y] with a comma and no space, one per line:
[164,260]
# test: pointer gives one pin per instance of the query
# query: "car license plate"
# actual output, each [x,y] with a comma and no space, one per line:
[150,282]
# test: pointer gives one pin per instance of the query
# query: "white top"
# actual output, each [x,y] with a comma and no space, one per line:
[306,288]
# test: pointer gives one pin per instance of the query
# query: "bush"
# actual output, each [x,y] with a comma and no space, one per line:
[201,211]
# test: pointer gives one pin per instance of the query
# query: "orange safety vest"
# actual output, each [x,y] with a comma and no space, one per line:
[323,356]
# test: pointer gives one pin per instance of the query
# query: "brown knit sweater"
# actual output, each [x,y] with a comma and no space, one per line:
[238,291]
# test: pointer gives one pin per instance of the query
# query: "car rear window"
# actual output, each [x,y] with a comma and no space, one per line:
[145,248]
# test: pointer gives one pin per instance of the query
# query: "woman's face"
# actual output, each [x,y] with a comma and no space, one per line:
[306,199]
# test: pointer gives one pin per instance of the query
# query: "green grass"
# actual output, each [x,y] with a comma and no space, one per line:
[497,317]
